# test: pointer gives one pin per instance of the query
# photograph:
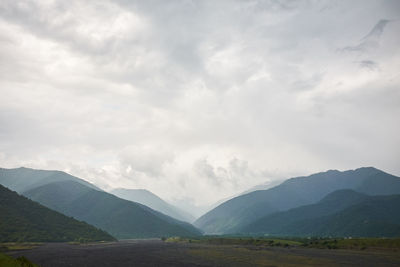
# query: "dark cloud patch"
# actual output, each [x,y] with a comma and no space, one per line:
[369,65]
[377,31]
[371,40]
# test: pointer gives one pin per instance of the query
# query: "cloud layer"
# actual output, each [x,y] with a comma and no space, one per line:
[199,100]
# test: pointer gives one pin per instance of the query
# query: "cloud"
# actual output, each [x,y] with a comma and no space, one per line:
[147,160]
[369,64]
[198,100]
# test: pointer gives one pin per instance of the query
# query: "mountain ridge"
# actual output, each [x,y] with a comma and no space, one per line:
[23,179]
[122,218]
[23,220]
[369,216]
[294,192]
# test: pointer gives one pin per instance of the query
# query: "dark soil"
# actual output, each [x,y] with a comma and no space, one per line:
[158,253]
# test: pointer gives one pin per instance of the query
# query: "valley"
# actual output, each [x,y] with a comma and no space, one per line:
[330,218]
[199,133]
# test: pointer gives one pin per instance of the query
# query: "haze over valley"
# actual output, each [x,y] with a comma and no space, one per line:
[199,133]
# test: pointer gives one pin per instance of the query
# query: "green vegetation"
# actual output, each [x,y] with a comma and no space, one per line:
[7,261]
[321,243]
[245,241]
[22,220]
[7,246]
[123,219]
[341,213]
[353,243]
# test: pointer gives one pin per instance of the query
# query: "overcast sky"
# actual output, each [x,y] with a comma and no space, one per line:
[199,100]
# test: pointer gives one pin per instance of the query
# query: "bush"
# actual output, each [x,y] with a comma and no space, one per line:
[25,262]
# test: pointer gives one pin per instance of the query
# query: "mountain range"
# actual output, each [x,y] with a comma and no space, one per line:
[121,218]
[341,213]
[234,214]
[363,202]
[74,197]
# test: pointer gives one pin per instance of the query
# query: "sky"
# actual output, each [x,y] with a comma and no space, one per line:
[197,101]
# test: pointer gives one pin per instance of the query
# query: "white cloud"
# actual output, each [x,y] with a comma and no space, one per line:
[198,100]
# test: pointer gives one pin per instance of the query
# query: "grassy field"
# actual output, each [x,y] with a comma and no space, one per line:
[9,246]
[262,251]
[354,243]
[245,256]
[320,243]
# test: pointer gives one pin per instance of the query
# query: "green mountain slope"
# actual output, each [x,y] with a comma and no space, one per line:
[23,179]
[375,217]
[280,222]
[22,220]
[151,200]
[234,214]
[123,219]
[342,213]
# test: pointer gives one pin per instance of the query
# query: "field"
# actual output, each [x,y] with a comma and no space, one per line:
[211,251]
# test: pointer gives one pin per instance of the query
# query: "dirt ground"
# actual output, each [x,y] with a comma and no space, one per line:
[158,253]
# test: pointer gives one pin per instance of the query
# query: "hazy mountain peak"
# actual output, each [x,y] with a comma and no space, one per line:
[145,197]
[23,179]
